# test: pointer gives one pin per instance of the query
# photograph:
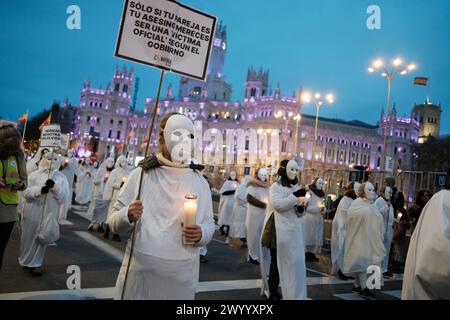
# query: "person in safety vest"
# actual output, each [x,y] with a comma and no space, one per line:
[13,178]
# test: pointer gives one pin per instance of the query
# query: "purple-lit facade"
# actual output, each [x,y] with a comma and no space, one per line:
[105,116]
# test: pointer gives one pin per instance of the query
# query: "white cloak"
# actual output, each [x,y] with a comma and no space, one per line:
[162,267]
[255,220]
[85,177]
[364,237]
[313,224]
[290,246]
[69,171]
[113,186]
[238,228]
[36,222]
[226,203]
[99,207]
[388,220]
[427,268]
[338,231]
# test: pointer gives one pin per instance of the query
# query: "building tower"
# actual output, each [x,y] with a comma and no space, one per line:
[429,117]
[215,88]
[257,83]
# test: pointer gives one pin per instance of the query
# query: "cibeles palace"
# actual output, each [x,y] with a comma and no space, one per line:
[106,123]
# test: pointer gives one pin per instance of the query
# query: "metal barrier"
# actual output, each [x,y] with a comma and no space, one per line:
[410,182]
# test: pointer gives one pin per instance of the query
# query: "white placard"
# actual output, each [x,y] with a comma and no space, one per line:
[51,136]
[65,141]
[166,35]
[389,166]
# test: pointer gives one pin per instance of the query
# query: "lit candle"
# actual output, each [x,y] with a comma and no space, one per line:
[190,212]
[124,179]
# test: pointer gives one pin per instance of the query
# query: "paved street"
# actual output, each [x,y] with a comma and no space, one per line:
[225,276]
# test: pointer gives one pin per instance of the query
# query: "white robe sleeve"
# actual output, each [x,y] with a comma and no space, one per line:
[280,202]
[381,206]
[118,220]
[241,193]
[207,220]
[34,190]
[60,190]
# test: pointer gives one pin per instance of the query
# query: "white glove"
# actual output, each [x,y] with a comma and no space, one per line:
[56,189]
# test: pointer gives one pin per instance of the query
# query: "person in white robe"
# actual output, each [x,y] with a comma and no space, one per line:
[283,258]
[427,267]
[100,206]
[84,182]
[364,236]
[47,191]
[238,229]
[257,198]
[69,168]
[313,220]
[95,187]
[386,209]
[162,267]
[33,164]
[115,182]
[339,227]
[226,204]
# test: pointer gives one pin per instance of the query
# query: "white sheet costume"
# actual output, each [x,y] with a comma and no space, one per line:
[70,168]
[115,181]
[255,216]
[33,164]
[40,225]
[226,202]
[100,207]
[161,266]
[85,177]
[290,245]
[364,237]
[387,211]
[313,220]
[338,231]
[237,227]
[427,268]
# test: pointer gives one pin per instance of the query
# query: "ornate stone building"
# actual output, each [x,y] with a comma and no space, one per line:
[105,124]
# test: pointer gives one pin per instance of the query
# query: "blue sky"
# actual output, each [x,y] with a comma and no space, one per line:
[321,44]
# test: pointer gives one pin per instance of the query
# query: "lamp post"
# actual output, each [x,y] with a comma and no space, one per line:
[318,102]
[397,68]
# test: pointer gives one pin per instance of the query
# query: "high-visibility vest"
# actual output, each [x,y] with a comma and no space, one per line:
[11,177]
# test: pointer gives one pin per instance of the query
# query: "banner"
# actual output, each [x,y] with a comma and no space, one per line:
[389,167]
[51,136]
[65,142]
[167,35]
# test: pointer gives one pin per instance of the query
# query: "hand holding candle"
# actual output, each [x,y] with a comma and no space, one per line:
[189,218]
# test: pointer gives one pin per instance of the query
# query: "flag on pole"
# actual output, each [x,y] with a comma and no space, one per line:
[46,121]
[23,118]
[420,81]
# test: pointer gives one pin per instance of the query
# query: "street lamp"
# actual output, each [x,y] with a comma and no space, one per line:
[398,68]
[318,101]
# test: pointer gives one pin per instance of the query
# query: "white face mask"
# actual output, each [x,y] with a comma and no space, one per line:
[70,154]
[262,174]
[292,170]
[87,161]
[319,184]
[233,175]
[369,191]
[179,138]
[110,163]
[50,160]
[388,193]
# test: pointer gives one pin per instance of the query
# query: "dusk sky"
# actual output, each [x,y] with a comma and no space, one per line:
[322,45]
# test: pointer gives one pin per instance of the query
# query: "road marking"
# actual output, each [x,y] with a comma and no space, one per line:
[78,294]
[349,296]
[318,272]
[64,222]
[209,286]
[394,293]
[101,245]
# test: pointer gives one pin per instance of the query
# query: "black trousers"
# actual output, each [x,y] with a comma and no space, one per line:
[5,233]
[274,277]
